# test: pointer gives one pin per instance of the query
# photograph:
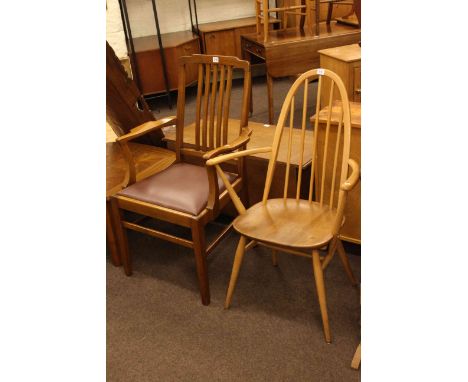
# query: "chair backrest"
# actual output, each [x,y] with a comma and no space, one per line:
[215,75]
[125,106]
[329,167]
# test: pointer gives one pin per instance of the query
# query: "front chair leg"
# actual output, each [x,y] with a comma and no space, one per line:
[345,261]
[199,247]
[320,285]
[235,270]
[121,236]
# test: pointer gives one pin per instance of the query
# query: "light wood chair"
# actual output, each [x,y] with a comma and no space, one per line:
[188,193]
[301,222]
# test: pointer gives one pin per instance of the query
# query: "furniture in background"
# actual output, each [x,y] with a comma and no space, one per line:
[223,37]
[126,109]
[291,52]
[150,64]
[295,225]
[187,193]
[346,62]
[351,230]
[257,164]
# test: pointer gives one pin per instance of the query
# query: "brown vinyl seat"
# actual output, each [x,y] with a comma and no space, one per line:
[288,222]
[182,187]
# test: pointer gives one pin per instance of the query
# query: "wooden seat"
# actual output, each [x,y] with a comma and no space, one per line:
[288,222]
[188,193]
[304,224]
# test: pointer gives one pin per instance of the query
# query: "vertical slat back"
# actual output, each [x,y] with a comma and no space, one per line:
[219,114]
[227,103]
[215,82]
[205,107]
[329,166]
[198,110]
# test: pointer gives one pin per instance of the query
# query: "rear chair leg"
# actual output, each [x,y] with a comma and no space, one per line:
[345,261]
[320,285]
[235,270]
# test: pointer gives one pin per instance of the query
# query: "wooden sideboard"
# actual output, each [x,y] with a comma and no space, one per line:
[223,37]
[351,230]
[148,60]
[346,62]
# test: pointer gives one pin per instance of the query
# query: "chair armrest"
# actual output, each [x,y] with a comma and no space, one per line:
[237,154]
[146,127]
[349,183]
[237,143]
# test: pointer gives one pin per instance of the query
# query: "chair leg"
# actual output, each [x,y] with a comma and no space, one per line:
[345,262]
[274,257]
[199,247]
[320,285]
[235,270]
[121,235]
[111,239]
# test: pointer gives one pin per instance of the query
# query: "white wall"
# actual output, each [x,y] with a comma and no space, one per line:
[174,15]
[114,29]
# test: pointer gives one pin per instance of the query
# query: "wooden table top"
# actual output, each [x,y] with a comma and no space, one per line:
[355,108]
[346,53]
[231,24]
[291,35]
[149,160]
[169,40]
[262,136]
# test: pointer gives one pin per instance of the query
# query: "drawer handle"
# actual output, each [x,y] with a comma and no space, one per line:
[358,91]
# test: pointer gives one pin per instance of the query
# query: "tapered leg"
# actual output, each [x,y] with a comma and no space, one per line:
[121,236]
[357,358]
[270,98]
[111,239]
[320,285]
[199,247]
[274,257]
[345,261]
[235,270]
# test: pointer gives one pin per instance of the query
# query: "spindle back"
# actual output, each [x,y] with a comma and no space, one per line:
[329,167]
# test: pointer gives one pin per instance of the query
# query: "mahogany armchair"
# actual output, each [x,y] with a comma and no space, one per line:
[301,223]
[188,193]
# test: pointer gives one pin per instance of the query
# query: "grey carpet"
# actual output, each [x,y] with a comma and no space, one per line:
[158,330]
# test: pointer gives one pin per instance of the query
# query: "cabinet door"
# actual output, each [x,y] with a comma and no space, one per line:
[221,42]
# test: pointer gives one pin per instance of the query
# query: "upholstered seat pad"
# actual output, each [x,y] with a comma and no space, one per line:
[288,223]
[182,187]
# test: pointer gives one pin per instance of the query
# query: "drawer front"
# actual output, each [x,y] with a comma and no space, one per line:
[356,97]
[253,48]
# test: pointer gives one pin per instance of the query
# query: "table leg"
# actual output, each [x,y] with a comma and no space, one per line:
[270,99]
[111,239]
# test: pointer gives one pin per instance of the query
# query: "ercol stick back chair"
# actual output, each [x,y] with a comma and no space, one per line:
[188,193]
[295,225]
[126,109]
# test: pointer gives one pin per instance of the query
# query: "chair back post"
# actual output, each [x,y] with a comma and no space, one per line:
[325,167]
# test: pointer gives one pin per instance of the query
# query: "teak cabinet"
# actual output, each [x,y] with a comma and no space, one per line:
[148,60]
[224,37]
[346,62]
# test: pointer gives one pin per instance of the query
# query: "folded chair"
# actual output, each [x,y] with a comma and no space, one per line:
[188,193]
[295,224]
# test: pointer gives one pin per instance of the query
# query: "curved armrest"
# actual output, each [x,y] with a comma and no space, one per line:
[349,183]
[237,143]
[238,154]
[146,127]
